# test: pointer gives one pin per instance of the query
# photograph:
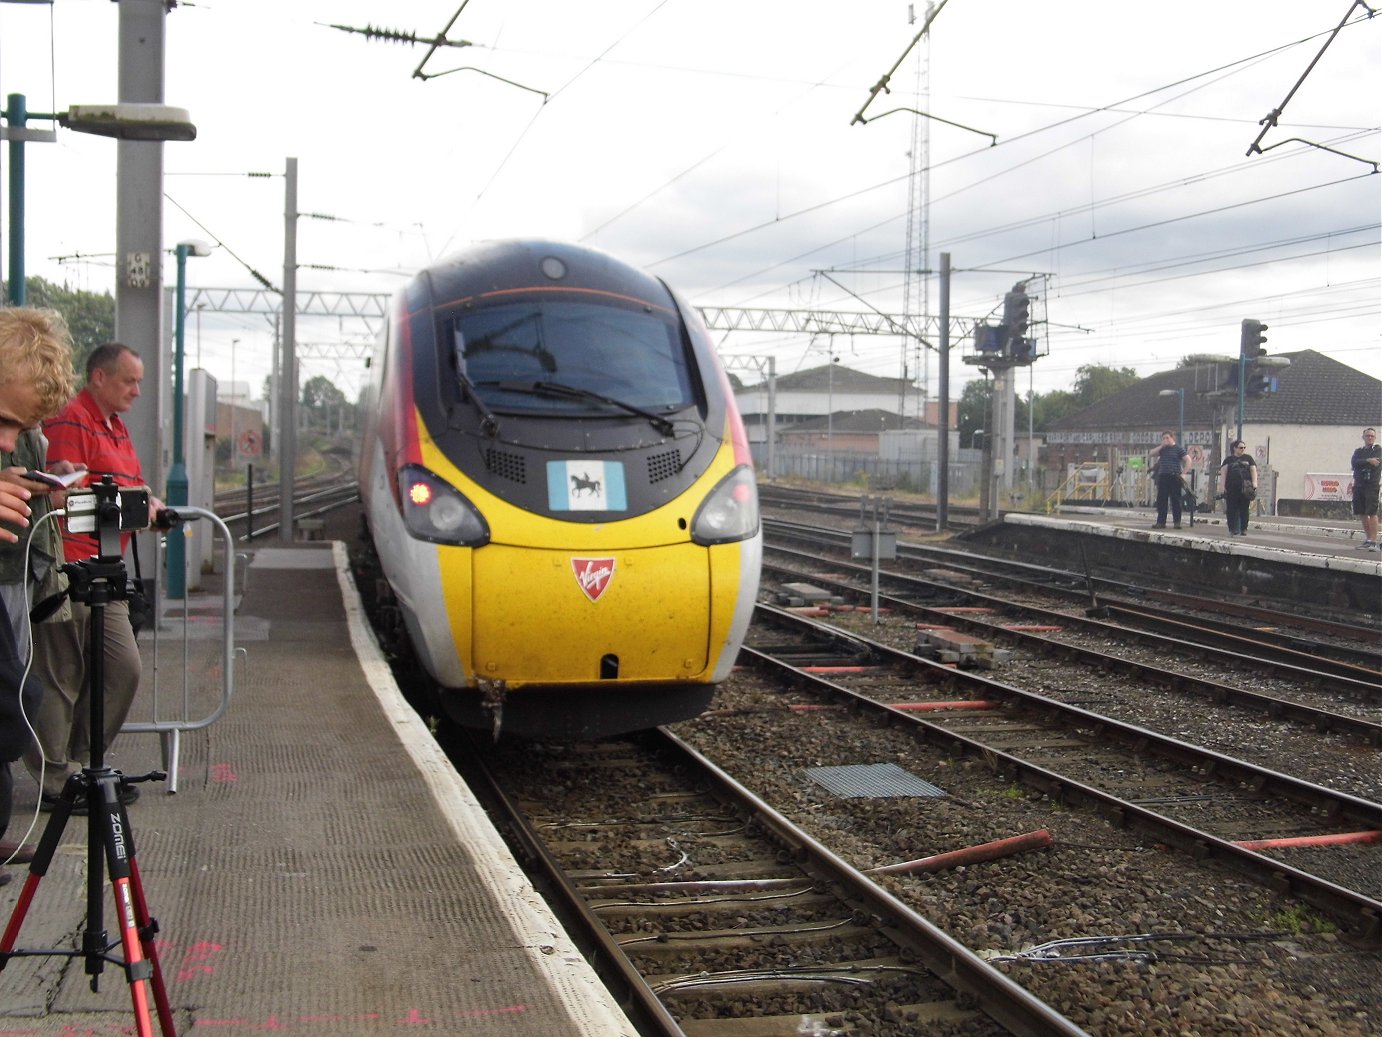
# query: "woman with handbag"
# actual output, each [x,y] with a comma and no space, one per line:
[1239,486]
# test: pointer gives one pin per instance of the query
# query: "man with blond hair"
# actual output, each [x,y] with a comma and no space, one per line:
[36,379]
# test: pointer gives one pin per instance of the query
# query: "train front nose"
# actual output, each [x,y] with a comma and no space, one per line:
[558,617]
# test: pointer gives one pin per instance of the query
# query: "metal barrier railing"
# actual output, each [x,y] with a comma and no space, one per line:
[183,716]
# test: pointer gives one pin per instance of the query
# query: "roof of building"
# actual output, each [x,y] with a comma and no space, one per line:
[839,379]
[1314,390]
[847,421]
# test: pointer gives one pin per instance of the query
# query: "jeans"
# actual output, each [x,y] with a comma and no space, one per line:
[1236,508]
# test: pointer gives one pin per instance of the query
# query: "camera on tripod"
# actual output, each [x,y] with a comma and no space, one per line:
[107,506]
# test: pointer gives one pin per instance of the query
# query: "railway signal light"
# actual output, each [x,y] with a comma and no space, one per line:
[1017,309]
[1253,339]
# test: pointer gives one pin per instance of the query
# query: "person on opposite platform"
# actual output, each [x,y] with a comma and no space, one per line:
[1367,460]
[1171,463]
[1239,476]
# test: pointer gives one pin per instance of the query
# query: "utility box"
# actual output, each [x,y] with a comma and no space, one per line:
[862,547]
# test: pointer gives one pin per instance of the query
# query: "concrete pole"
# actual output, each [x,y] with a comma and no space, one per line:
[139,228]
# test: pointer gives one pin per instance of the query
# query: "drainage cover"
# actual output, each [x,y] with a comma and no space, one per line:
[875,780]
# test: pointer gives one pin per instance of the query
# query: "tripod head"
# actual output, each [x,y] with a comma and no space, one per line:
[104,512]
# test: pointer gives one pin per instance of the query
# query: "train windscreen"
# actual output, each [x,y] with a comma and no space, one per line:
[573,353]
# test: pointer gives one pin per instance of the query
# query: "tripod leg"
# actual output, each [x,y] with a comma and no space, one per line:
[148,929]
[38,867]
[115,833]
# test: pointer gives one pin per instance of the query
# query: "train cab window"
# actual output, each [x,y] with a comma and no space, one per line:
[629,354]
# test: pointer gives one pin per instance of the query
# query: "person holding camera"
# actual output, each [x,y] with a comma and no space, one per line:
[1367,466]
[90,434]
[1238,483]
[36,378]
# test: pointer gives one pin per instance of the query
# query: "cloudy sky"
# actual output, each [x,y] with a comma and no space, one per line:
[715,144]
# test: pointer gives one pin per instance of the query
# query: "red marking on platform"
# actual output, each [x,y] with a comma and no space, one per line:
[224,772]
[191,966]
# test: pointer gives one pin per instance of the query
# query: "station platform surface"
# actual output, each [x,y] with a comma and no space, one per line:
[1318,542]
[320,869]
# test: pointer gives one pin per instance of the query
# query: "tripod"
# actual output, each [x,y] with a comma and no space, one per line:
[110,838]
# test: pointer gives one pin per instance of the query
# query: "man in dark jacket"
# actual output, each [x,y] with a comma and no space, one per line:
[1367,460]
[1171,463]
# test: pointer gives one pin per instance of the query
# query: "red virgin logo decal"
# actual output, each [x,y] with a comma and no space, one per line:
[593,575]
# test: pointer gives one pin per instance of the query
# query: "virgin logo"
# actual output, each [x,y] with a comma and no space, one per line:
[593,574]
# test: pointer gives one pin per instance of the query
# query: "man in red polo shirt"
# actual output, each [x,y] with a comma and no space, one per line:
[89,433]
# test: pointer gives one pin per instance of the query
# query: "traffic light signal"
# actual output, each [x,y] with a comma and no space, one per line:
[1253,339]
[1260,383]
[1017,309]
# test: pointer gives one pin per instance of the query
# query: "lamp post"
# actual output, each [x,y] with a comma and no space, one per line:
[177,474]
[1180,394]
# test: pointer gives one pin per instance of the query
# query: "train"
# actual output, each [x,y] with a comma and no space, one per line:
[558,487]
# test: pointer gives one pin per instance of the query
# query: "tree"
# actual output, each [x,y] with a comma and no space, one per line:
[976,400]
[319,392]
[322,402]
[90,317]
[1094,382]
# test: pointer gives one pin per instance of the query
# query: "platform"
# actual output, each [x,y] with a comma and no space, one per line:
[1280,561]
[321,870]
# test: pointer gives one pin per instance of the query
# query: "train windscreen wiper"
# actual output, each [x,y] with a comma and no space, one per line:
[559,390]
[489,424]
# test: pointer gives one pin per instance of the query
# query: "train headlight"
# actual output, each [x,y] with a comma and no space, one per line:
[434,510]
[730,512]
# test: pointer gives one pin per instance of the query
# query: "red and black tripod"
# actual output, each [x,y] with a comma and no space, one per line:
[110,839]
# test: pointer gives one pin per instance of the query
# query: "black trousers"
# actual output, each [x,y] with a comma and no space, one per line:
[1167,492]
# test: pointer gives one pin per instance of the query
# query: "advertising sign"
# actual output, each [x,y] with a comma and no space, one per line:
[1329,486]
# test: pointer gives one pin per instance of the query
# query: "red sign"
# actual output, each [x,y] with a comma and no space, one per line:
[593,575]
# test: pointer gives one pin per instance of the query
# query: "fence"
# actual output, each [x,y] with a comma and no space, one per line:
[206,687]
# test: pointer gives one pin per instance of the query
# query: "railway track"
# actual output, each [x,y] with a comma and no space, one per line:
[1327,698]
[1206,803]
[716,916]
[254,512]
[1265,637]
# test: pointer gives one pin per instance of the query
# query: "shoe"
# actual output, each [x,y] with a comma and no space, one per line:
[127,795]
[1367,545]
[1177,525]
[16,854]
[1159,525]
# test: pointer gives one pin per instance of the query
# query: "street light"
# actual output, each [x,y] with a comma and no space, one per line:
[1180,393]
[148,122]
[177,474]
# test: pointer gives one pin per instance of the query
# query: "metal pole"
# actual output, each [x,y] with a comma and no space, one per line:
[177,473]
[16,115]
[288,369]
[1242,374]
[943,419]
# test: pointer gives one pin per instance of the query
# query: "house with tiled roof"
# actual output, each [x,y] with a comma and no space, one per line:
[1301,435]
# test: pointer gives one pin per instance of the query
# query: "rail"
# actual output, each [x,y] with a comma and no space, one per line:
[185,715]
